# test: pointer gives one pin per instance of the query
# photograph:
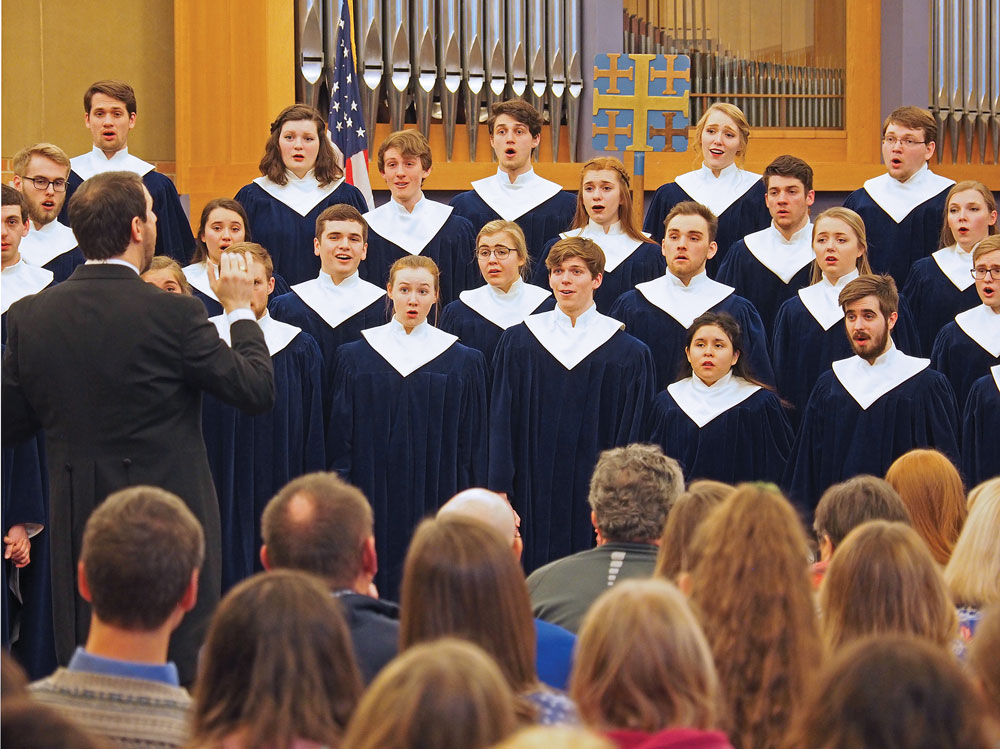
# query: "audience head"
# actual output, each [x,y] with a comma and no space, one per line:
[15,224]
[973,571]
[111,211]
[970,215]
[840,245]
[931,488]
[988,488]
[846,505]
[439,695]
[40,174]
[667,682]
[109,114]
[685,516]
[883,580]
[983,662]
[722,132]
[297,145]
[141,553]
[223,222]
[277,666]
[555,737]
[869,304]
[28,724]
[507,239]
[166,273]
[489,508]
[605,197]
[909,137]
[414,286]
[689,239]
[515,129]
[13,679]
[788,181]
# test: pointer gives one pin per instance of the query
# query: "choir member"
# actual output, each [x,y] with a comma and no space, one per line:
[903,208]
[166,273]
[41,174]
[223,223]
[659,312]
[604,214]
[980,446]
[18,279]
[734,195]
[967,347]
[515,193]
[940,286]
[480,316]
[567,384]
[408,420]
[410,223]
[299,179]
[109,113]
[717,420]
[870,408]
[771,265]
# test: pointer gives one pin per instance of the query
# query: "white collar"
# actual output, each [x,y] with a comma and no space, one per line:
[955,263]
[684,303]
[408,352]
[899,198]
[46,244]
[409,230]
[337,302]
[982,325]
[616,244]
[511,200]
[783,257]
[93,162]
[995,371]
[703,403]
[20,280]
[114,261]
[821,299]
[571,344]
[868,382]
[301,195]
[277,334]
[505,309]
[197,276]
[718,193]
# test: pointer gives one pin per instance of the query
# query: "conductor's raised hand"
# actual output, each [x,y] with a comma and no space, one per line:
[234,284]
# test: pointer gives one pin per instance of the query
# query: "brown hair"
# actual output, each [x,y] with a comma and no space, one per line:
[516,233]
[586,249]
[982,658]
[118,90]
[14,197]
[990,244]
[318,523]
[931,488]
[847,505]
[438,695]
[19,163]
[973,572]
[409,143]
[519,110]
[163,262]
[28,724]
[882,579]
[751,589]
[693,208]
[669,681]
[913,118]
[200,250]
[341,212]
[271,166]
[789,166]
[101,212]
[947,236]
[257,250]
[628,223]
[880,286]
[278,665]
[685,516]
[857,225]
[736,115]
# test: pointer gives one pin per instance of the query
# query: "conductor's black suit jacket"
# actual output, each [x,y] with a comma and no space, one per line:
[112,368]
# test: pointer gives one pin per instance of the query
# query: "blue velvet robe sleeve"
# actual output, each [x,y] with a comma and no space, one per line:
[934,300]
[980,444]
[960,359]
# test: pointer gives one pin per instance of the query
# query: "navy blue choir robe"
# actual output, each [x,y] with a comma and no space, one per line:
[252,457]
[433,230]
[197,276]
[736,197]
[283,219]
[902,221]
[333,315]
[540,207]
[561,395]
[480,316]
[839,438]
[52,247]
[980,445]
[18,281]
[737,433]
[966,348]
[173,229]
[766,269]
[807,340]
[660,312]
[938,288]
[627,262]
[408,441]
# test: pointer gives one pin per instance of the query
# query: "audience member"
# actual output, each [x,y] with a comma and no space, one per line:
[28,724]
[981,491]
[690,508]
[973,571]
[984,664]
[555,737]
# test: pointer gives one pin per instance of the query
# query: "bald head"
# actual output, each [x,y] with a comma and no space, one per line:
[486,507]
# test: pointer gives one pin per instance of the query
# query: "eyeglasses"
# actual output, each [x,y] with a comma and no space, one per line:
[483,253]
[40,183]
[891,140]
[980,274]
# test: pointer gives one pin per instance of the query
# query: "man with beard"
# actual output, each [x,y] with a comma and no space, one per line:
[871,408]
[113,368]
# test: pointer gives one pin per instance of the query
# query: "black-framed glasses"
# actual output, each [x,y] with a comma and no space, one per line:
[40,183]
[483,253]
[980,273]
[891,140]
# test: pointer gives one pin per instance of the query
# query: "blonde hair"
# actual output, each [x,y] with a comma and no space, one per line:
[263,256]
[19,163]
[973,572]
[988,488]
[734,113]
[555,737]
[947,235]
[628,223]
[990,244]
[669,681]
[514,231]
[857,225]
[163,262]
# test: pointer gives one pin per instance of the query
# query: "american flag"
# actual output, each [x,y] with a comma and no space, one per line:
[347,125]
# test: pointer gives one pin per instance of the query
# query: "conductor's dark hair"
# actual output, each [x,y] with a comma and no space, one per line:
[727,323]
[118,90]
[271,166]
[693,208]
[101,213]
[845,506]
[521,111]
[790,166]
[14,197]
[200,249]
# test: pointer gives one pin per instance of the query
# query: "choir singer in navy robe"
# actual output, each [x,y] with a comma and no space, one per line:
[567,384]
[18,278]
[980,446]
[410,223]
[408,420]
[41,175]
[902,209]
[515,193]
[871,408]
[659,312]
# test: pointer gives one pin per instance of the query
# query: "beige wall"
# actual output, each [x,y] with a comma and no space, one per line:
[53,49]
